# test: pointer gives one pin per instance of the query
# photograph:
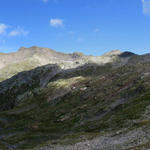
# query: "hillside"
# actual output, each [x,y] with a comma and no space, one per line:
[26,59]
[92,103]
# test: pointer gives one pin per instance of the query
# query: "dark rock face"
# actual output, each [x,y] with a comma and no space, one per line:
[24,83]
[126,54]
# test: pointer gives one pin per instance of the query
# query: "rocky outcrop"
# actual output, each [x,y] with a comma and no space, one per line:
[22,85]
[29,58]
[75,102]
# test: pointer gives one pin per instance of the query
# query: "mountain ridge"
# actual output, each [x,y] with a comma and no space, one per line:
[86,106]
[34,56]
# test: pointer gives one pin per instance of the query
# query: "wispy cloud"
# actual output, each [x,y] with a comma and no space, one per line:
[45,1]
[8,30]
[18,32]
[3,28]
[146,6]
[56,23]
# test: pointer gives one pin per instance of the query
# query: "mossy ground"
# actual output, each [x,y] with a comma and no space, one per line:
[78,114]
[12,69]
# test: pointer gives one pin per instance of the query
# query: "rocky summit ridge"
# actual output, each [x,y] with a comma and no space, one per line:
[45,56]
[55,101]
[28,58]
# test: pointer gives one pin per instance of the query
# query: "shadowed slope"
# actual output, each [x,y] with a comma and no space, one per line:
[50,106]
[74,104]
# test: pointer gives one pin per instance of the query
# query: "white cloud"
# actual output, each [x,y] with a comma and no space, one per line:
[96,30]
[56,23]
[146,6]
[3,28]
[18,31]
[45,1]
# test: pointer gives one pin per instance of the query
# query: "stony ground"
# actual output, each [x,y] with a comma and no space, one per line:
[124,141]
[91,107]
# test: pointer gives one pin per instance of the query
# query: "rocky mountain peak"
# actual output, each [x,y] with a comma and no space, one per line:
[22,48]
[32,57]
[33,48]
[127,54]
[113,53]
[77,55]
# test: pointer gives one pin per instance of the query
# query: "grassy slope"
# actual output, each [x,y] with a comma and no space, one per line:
[77,112]
[13,69]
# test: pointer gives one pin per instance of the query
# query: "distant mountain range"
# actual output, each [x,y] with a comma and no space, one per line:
[28,58]
[55,101]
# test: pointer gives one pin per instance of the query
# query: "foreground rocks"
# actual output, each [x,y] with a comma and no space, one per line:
[128,140]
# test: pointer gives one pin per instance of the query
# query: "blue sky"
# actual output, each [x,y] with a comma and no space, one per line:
[89,26]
